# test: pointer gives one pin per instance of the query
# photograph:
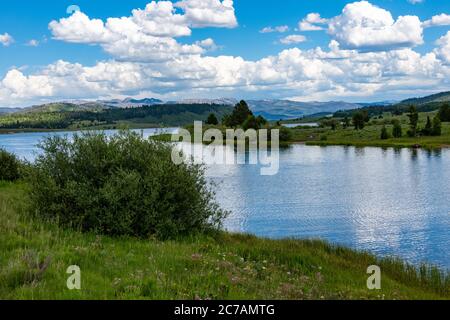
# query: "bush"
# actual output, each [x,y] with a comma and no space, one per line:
[9,166]
[122,185]
[359,120]
[397,131]
[285,134]
[384,133]
[437,126]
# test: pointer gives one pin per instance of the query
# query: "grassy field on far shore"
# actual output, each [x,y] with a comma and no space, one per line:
[34,257]
[371,135]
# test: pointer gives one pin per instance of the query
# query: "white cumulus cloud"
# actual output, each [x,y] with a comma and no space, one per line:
[438,20]
[6,39]
[370,56]
[209,13]
[33,43]
[148,34]
[294,38]
[280,29]
[312,22]
[366,27]
[443,52]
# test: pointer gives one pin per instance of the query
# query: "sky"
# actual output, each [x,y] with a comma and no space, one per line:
[311,50]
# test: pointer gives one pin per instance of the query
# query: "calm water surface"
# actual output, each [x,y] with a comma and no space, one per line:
[295,125]
[390,202]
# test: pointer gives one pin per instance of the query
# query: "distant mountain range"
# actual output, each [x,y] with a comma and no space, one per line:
[285,109]
[270,109]
[9,110]
[130,102]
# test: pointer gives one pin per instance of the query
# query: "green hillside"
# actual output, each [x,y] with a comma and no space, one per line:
[59,116]
[424,104]
[64,107]
[439,97]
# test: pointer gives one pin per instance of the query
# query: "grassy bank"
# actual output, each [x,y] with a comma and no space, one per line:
[370,136]
[34,257]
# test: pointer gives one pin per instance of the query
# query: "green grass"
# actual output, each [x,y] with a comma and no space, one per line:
[370,135]
[34,257]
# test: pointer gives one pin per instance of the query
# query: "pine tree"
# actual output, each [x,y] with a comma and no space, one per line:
[346,123]
[397,130]
[384,133]
[413,116]
[212,120]
[428,130]
[437,126]
[359,120]
[444,112]
[240,114]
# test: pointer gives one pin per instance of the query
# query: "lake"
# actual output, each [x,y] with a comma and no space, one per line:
[306,124]
[386,201]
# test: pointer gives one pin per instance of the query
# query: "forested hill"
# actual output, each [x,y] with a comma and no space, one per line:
[439,97]
[68,117]
[424,104]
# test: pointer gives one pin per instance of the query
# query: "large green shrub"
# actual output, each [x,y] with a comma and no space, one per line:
[122,185]
[9,166]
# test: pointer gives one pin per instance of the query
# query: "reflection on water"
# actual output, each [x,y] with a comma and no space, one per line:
[305,124]
[388,201]
[24,145]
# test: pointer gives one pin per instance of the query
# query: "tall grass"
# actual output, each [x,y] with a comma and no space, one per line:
[34,256]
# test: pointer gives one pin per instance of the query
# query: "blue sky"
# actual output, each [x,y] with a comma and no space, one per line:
[24,21]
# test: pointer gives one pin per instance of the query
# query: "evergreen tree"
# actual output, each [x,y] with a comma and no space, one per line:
[212,120]
[384,133]
[253,122]
[346,122]
[444,112]
[261,120]
[240,114]
[437,126]
[333,124]
[428,130]
[413,116]
[359,120]
[397,130]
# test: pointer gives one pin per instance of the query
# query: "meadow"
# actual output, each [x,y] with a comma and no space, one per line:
[371,134]
[34,257]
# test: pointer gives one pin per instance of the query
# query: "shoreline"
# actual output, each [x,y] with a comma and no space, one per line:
[217,266]
[374,144]
[18,131]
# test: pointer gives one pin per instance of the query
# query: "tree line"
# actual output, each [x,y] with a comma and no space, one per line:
[176,114]
[243,117]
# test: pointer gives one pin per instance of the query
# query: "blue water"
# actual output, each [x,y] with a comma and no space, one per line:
[295,125]
[25,145]
[390,202]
